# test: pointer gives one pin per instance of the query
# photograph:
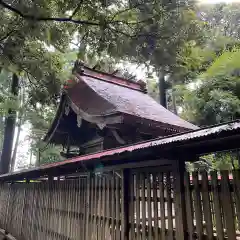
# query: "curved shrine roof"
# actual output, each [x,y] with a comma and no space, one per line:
[103,97]
[134,102]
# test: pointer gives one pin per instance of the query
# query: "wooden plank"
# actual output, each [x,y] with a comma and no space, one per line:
[61,199]
[52,202]
[155,206]
[99,208]
[113,201]
[143,194]
[197,206]
[66,204]
[169,206]
[103,207]
[206,205]
[82,188]
[180,201]
[43,210]
[118,236]
[162,207]
[87,205]
[125,195]
[69,203]
[137,187]
[91,206]
[75,222]
[132,207]
[228,206]
[80,217]
[149,207]
[107,225]
[189,206]
[141,165]
[236,190]
[94,235]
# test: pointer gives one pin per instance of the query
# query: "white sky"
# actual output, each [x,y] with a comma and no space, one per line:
[218,1]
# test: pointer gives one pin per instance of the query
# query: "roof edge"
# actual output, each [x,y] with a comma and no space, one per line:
[56,120]
[181,137]
[83,70]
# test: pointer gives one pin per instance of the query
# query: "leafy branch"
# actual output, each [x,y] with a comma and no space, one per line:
[57,19]
[106,24]
[7,35]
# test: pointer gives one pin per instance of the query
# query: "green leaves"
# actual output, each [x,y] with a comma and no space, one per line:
[224,64]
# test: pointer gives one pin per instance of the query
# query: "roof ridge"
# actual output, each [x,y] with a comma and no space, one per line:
[107,77]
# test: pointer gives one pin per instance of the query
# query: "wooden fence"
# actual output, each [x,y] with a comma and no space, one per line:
[130,204]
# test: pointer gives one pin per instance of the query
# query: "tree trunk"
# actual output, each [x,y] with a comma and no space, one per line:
[30,159]
[19,125]
[9,131]
[174,102]
[162,90]
[14,155]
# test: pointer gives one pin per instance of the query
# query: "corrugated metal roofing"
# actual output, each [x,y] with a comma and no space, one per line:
[158,142]
[203,134]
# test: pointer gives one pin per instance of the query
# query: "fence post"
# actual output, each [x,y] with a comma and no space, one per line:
[125,204]
[87,212]
[180,206]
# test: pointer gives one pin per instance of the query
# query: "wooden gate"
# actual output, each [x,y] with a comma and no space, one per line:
[154,210]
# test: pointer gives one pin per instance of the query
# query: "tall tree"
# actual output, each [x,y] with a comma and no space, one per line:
[151,32]
[9,130]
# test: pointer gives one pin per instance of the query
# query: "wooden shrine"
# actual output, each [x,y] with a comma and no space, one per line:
[99,111]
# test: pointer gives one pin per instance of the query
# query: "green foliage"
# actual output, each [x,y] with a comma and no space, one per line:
[226,64]
[217,97]
[221,19]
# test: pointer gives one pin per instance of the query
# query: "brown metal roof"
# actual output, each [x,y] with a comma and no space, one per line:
[105,99]
[133,102]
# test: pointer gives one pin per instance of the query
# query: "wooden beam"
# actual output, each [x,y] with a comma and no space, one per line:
[125,204]
[180,206]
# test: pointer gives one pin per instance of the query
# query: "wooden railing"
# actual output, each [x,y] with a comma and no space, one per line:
[134,204]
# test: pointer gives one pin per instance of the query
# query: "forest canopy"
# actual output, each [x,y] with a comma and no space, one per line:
[189,53]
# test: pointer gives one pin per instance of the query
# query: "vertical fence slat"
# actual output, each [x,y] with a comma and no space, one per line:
[217,206]
[87,205]
[197,205]
[137,187]
[180,201]
[155,206]
[113,201]
[169,206]
[83,184]
[228,206]
[236,188]
[131,207]
[149,205]
[91,201]
[107,226]
[143,195]
[102,233]
[103,207]
[189,206]
[206,205]
[117,207]
[162,206]
[126,188]
[99,208]
[94,235]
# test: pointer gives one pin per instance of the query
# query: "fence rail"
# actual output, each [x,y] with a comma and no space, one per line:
[135,204]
